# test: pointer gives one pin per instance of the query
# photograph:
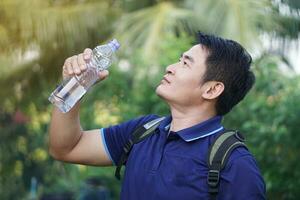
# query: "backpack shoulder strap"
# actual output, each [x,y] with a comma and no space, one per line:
[218,156]
[137,136]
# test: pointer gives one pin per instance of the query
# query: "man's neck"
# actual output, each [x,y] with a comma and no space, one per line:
[183,118]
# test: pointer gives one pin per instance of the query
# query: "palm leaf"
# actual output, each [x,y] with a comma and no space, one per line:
[233,19]
[145,29]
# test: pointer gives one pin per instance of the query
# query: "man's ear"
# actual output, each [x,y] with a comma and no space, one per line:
[212,89]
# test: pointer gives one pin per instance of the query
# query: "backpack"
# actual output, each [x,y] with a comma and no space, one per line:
[218,153]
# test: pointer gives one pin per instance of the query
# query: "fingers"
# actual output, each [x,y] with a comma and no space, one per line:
[67,68]
[77,64]
[87,54]
[81,62]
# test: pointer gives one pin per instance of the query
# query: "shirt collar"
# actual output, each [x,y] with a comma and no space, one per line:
[201,130]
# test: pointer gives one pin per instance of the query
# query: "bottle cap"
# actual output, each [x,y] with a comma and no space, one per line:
[114,44]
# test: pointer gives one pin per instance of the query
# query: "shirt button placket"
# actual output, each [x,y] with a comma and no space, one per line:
[159,152]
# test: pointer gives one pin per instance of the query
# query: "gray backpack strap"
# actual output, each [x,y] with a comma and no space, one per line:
[218,156]
[137,136]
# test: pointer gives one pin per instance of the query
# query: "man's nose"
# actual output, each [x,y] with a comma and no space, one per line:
[170,69]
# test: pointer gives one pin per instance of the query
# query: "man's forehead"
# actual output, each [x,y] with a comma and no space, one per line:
[198,48]
[197,52]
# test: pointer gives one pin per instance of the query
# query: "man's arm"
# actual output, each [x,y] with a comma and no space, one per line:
[68,142]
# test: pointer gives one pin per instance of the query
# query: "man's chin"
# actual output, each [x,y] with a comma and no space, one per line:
[159,92]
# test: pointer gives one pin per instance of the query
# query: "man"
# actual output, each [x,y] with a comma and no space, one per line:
[206,83]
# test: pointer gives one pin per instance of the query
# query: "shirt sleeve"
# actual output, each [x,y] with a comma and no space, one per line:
[115,137]
[241,178]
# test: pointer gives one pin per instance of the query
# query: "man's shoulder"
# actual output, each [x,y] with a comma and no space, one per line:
[241,159]
[239,154]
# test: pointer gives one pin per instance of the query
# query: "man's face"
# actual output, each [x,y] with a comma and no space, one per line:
[182,82]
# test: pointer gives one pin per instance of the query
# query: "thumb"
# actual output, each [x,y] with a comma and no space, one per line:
[103,74]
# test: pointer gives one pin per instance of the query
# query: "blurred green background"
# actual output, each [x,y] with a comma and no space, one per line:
[36,36]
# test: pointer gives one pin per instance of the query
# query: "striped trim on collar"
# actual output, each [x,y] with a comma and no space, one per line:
[201,130]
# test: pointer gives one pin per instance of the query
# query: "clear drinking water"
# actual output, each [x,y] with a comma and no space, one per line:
[66,95]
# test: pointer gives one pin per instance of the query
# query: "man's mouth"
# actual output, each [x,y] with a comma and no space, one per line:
[166,79]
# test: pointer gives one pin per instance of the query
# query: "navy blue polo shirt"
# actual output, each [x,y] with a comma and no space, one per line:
[171,166]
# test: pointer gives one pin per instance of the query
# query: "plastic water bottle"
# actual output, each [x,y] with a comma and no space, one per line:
[66,95]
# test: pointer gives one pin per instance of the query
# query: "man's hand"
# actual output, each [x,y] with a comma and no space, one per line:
[77,64]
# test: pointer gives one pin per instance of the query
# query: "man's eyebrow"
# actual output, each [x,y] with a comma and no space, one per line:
[190,58]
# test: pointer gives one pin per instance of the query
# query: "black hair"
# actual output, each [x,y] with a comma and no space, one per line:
[229,63]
